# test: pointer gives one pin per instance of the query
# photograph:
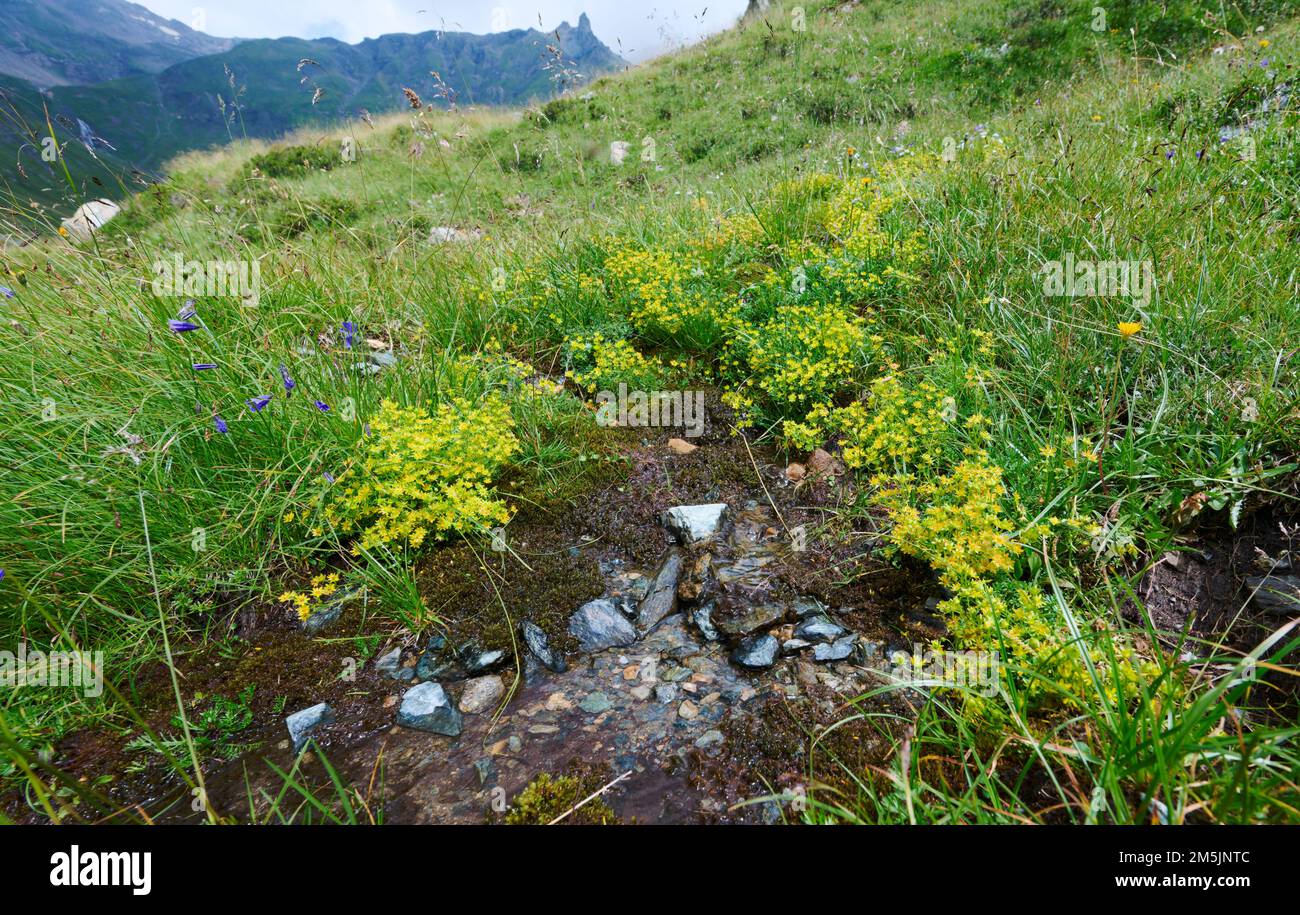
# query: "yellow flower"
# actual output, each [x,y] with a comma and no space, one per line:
[1129,328]
[1263,42]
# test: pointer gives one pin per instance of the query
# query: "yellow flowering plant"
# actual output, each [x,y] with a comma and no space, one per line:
[304,604]
[422,477]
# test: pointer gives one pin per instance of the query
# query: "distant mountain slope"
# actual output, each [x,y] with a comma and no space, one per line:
[66,42]
[263,88]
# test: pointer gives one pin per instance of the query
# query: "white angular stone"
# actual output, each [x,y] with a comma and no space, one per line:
[695,523]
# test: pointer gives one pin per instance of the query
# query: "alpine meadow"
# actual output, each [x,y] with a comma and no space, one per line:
[868,413]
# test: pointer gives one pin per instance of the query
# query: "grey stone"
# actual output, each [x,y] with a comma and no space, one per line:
[540,647]
[709,738]
[837,650]
[477,661]
[666,693]
[695,523]
[807,606]
[300,724]
[481,694]
[329,614]
[595,703]
[702,617]
[749,619]
[756,652]
[437,663]
[598,625]
[427,708]
[486,768]
[790,646]
[1276,594]
[819,628]
[390,663]
[662,599]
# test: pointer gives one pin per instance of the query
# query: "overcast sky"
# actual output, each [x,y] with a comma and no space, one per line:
[633,28]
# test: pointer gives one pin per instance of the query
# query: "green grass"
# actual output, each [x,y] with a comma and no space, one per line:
[1061,146]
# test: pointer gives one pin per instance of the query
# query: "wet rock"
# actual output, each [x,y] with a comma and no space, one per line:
[698,582]
[702,618]
[746,572]
[540,647]
[329,614]
[662,597]
[742,621]
[595,703]
[486,769]
[481,694]
[688,710]
[837,650]
[534,672]
[805,607]
[666,693]
[437,663]
[598,624]
[695,523]
[1276,594]
[427,708]
[300,724]
[390,664]
[756,652]
[709,738]
[819,629]
[790,646]
[476,660]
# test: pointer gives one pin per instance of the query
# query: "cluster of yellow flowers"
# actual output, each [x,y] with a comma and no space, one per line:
[423,477]
[954,521]
[896,429]
[804,354]
[659,292]
[957,524]
[598,364]
[322,586]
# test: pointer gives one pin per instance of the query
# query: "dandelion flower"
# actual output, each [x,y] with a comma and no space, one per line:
[1129,328]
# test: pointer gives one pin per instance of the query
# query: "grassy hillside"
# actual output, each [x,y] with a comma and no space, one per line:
[847,232]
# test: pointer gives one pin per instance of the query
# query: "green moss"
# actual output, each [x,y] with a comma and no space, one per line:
[547,797]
